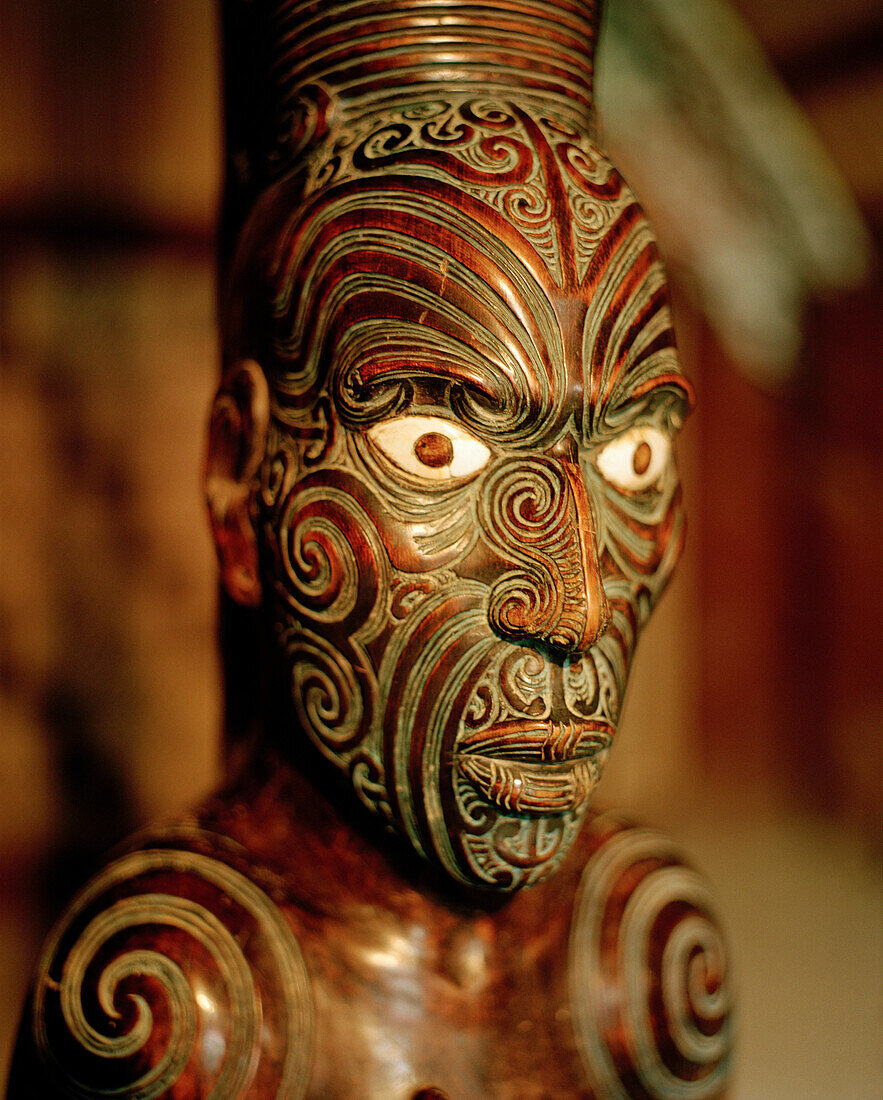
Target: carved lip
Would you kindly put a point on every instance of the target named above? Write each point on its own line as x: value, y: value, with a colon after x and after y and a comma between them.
x: 546, y: 742
x: 531, y: 767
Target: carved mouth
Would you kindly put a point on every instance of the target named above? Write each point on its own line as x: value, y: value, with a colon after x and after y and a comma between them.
x: 530, y: 767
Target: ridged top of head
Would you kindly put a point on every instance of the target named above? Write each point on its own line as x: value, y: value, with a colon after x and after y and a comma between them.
x: 369, y: 55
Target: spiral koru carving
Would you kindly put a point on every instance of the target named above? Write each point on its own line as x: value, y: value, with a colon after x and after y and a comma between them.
x: 321, y: 569
x: 648, y: 973
x: 172, y: 969
x: 529, y: 516
x: 334, y: 574
x: 328, y: 692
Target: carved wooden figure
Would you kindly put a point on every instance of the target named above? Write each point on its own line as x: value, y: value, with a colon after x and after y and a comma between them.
x: 441, y: 473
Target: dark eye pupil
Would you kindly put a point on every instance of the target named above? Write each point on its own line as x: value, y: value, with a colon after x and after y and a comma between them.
x: 434, y: 449
x: 641, y: 458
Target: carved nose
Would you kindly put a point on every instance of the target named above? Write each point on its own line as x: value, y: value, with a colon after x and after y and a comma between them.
x: 584, y: 617
x: 539, y: 517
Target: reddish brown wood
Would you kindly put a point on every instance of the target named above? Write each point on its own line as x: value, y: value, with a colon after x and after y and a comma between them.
x: 441, y: 476
x: 394, y: 981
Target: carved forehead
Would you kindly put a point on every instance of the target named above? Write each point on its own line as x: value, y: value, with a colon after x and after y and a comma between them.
x: 534, y: 175
x: 518, y: 263
x: 539, y: 181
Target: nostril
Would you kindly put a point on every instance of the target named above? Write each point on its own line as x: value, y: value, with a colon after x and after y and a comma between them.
x: 567, y: 640
x: 533, y: 607
x: 524, y: 604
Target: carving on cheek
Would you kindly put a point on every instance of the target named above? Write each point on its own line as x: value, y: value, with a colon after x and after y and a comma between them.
x: 647, y: 545
x: 334, y: 565
x: 331, y: 586
x: 329, y: 698
x: 529, y: 516
x: 323, y: 571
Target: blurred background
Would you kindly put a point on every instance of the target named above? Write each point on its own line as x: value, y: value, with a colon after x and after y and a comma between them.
x: 752, y: 733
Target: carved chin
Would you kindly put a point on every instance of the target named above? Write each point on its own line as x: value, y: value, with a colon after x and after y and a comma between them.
x: 532, y: 744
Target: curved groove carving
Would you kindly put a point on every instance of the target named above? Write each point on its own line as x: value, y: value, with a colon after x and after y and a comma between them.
x: 172, y: 966
x: 648, y: 972
x: 528, y: 515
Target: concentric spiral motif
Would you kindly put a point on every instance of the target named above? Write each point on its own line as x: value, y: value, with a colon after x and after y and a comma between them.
x: 170, y: 966
x: 327, y: 692
x: 322, y: 565
x: 648, y: 972
x: 527, y: 513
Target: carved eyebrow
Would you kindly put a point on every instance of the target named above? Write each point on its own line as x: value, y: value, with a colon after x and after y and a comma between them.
x: 405, y: 327
x: 449, y: 370
x: 395, y: 323
x: 452, y: 281
x: 681, y: 387
x: 671, y: 388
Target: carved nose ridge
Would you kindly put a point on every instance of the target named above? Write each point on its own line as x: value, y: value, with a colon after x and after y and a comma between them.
x: 537, y: 515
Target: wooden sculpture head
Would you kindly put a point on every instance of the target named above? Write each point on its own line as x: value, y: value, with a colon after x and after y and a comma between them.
x: 442, y: 458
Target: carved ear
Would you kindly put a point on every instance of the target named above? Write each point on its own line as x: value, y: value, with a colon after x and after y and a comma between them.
x: 236, y: 446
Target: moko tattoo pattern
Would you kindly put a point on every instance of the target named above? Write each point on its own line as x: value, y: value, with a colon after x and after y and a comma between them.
x: 470, y: 502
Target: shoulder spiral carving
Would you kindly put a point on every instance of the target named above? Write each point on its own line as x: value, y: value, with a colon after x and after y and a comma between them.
x: 172, y: 971
x: 648, y: 972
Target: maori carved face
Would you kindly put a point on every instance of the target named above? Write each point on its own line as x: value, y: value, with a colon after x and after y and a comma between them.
x: 468, y: 501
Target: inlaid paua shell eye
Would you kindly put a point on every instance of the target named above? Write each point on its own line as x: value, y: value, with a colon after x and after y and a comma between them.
x: 635, y: 460
x: 430, y: 447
